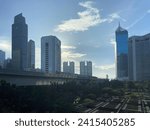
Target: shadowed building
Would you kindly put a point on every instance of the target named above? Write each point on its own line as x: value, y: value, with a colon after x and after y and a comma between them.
x: 139, y: 58
x: 68, y: 67
x: 50, y: 54
x: 19, y: 43
x: 31, y: 54
x: 86, y: 68
x: 2, y: 58
x: 121, y: 53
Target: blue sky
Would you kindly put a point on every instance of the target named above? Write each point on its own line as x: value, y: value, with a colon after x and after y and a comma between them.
x: 85, y: 27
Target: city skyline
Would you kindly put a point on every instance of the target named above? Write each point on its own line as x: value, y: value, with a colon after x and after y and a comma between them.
x: 94, y: 40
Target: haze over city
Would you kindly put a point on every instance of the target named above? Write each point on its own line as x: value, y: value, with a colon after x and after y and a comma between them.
x: 86, y: 28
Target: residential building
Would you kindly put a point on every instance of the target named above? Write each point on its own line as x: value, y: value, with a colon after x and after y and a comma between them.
x: 50, y: 54
x: 86, y: 68
x: 68, y: 67
x: 139, y: 58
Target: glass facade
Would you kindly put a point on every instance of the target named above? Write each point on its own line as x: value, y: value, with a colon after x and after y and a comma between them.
x: 19, y: 43
x: 121, y: 53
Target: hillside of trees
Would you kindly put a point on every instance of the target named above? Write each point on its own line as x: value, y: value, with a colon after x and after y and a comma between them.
x: 61, y: 98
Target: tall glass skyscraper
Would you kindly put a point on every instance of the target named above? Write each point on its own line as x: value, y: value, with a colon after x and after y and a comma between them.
x: 19, y: 43
x: 121, y: 53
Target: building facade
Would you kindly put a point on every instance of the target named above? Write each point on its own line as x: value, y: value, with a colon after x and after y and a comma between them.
x: 139, y: 58
x: 50, y: 54
x: 2, y: 59
x: 31, y: 54
x: 121, y: 53
x: 19, y: 43
x: 68, y: 67
x: 86, y: 68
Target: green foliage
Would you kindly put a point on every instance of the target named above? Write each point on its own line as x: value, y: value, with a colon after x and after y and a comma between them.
x: 68, y: 97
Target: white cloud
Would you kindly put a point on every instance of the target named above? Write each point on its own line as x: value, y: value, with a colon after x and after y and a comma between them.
x: 88, y: 18
x: 5, y: 46
x: 106, y: 67
x: 115, y: 16
x: 103, y: 70
x: 70, y: 55
x: 68, y: 47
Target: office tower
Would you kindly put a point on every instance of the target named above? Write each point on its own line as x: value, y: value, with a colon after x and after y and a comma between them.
x: 50, y: 54
x: 86, y: 68
x: 31, y: 54
x: 2, y: 58
x: 121, y: 53
x: 19, y: 43
x: 7, y: 64
x: 139, y: 57
x: 68, y: 67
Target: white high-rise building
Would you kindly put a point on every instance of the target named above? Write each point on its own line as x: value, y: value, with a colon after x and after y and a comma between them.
x: 139, y: 58
x: 86, y: 68
x: 68, y: 67
x: 50, y: 54
x: 2, y: 58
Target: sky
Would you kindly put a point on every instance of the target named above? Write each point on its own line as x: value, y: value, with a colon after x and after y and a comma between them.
x: 86, y: 28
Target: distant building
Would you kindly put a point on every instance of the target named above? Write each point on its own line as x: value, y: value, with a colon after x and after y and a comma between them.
x: 19, y: 43
x: 50, y: 54
x: 121, y: 53
x: 8, y: 64
x: 139, y: 58
x: 2, y: 58
x: 86, y: 68
x: 68, y: 67
x: 31, y: 54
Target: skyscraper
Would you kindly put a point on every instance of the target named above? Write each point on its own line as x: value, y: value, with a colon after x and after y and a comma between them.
x: 50, y: 54
x: 2, y: 58
x: 19, y: 43
x: 31, y: 54
x: 86, y: 68
x: 139, y: 58
x: 68, y: 67
x: 121, y: 53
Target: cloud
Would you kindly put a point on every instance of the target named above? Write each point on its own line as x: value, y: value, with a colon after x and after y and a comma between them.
x: 115, y: 16
x: 103, y: 70
x: 70, y: 55
x: 88, y: 18
x: 5, y: 46
x: 106, y: 67
x: 68, y: 47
